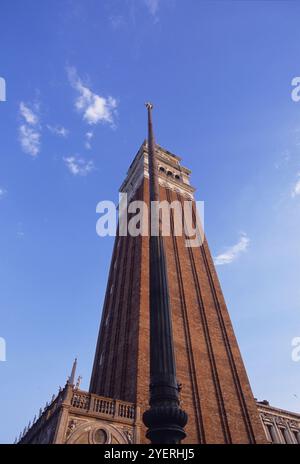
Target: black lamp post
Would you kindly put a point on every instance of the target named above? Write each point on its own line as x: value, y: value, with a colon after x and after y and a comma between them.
x: 164, y: 419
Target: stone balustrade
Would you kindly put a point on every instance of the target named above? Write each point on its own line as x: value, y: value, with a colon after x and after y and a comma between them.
x: 103, y: 406
x: 81, y: 402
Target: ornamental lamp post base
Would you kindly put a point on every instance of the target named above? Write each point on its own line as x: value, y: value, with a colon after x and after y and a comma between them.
x: 165, y: 424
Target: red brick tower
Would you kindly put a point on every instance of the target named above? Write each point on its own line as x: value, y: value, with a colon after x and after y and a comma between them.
x: 216, y: 392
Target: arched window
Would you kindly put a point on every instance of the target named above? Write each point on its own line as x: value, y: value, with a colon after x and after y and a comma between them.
x: 170, y: 174
x: 162, y: 169
x: 296, y: 435
x: 272, y: 433
x: 177, y: 177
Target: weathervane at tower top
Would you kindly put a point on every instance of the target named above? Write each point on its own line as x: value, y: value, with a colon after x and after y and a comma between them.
x: 149, y: 105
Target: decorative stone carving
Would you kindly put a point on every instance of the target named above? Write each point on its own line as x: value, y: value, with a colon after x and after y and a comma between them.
x: 97, y: 432
x: 294, y: 424
x: 129, y: 436
x: 280, y: 421
x: 71, y: 427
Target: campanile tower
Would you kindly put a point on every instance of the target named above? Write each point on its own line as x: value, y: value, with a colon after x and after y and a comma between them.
x: 216, y: 393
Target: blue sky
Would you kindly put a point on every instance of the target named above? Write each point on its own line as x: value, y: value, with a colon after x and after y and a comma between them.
x: 77, y: 75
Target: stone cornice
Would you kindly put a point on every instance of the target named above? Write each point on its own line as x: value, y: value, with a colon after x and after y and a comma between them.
x: 264, y: 408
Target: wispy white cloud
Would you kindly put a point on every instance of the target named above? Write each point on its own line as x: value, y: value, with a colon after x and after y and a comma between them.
x: 3, y: 193
x: 30, y: 140
x: 233, y: 252
x: 95, y: 108
x: 28, y: 114
x: 58, y: 130
x: 88, y: 137
x: 152, y: 6
x: 296, y: 187
x: 30, y: 130
x: 78, y: 166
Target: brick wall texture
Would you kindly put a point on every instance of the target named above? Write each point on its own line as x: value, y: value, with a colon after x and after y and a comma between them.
x: 215, y: 389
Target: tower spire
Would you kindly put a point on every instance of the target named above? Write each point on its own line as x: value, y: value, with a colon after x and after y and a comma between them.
x: 165, y: 420
x: 71, y: 380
